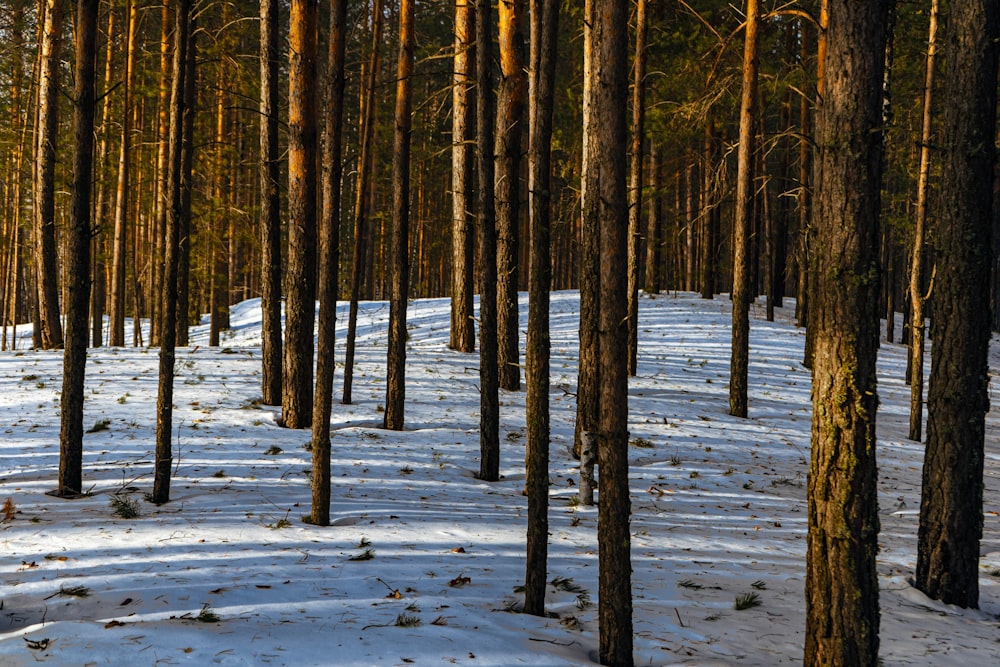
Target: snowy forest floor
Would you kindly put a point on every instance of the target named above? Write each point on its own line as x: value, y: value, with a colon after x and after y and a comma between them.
x: 423, y: 562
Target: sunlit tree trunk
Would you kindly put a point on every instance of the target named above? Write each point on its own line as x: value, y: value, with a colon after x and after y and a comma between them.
x: 463, y: 240
x: 742, y: 225
x: 635, y: 183
x: 300, y: 280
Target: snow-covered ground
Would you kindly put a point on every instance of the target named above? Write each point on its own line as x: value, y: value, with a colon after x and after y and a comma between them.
x: 423, y: 562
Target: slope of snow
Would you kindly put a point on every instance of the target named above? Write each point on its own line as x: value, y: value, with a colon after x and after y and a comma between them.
x: 422, y: 564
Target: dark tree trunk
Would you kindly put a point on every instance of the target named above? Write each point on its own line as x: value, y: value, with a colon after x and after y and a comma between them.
x: 654, y: 231
x: 363, y: 240
x: 606, y: 203
x: 329, y: 283
x: 187, y: 164
x: 175, y: 211
x: 510, y: 124
x: 300, y: 288
x: 709, y: 215
x: 399, y: 279
x: 951, y: 503
x: 270, y: 211
x: 46, y: 273
x: 544, y: 34
x: 78, y: 255
x: 463, y: 240
x: 842, y: 616
x: 635, y: 184
x: 489, y: 412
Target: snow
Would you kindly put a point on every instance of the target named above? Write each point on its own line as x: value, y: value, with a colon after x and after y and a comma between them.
x: 718, y: 511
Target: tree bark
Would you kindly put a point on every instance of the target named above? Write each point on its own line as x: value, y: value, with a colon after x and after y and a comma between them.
x: 542, y: 63
x: 510, y: 123
x: 329, y: 284
x: 300, y: 287
x: 270, y: 211
x: 742, y: 225
x: 635, y: 183
x: 842, y: 616
x: 917, y: 296
x: 46, y: 273
x: 463, y: 240
x: 78, y: 254
x: 951, y: 500
x: 655, y: 241
x: 399, y: 282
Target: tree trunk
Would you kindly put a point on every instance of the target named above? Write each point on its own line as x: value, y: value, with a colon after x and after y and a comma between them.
x: 742, y: 225
x: 510, y: 123
x: 635, y: 184
x: 654, y: 231
x: 300, y: 287
x: 842, y: 616
x: 709, y: 207
x: 606, y: 204
x: 362, y: 236
x: 544, y: 34
x: 951, y: 501
x: 329, y: 283
x: 917, y: 295
x: 489, y: 412
x: 78, y: 254
x: 175, y: 210
x: 270, y: 206
x: 120, y: 243
x: 162, y: 197
x: 399, y: 282
x: 463, y: 240
x: 46, y: 273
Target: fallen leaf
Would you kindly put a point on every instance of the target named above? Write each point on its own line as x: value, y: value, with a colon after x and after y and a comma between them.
x: 37, y: 644
x: 458, y: 550
x: 459, y: 581
x: 113, y: 624
x: 263, y: 586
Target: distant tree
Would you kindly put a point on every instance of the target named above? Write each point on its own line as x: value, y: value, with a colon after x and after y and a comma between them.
x: 399, y: 270
x: 654, y: 230
x: 300, y: 280
x: 605, y: 204
x: 542, y: 65
x: 842, y: 616
x: 917, y: 295
x: 636, y: 183
x: 489, y: 397
x: 463, y: 240
x: 328, y: 263
x: 951, y: 500
x: 270, y: 208
x: 743, y: 223
x: 175, y: 211
x: 48, y: 322
x: 78, y: 254
x: 511, y: 102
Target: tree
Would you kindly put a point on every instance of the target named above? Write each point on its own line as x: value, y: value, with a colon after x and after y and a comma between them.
x: 635, y: 183
x: 328, y: 264
x: 300, y: 285
x: 544, y: 28
x: 119, y: 243
x: 78, y: 254
x: 399, y: 283
x: 463, y: 240
x: 510, y: 122
x: 742, y: 225
x: 489, y: 398
x: 842, y: 614
x: 270, y: 211
x: 951, y: 499
x: 48, y: 322
x: 917, y: 296
x: 175, y: 211
x: 605, y: 204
